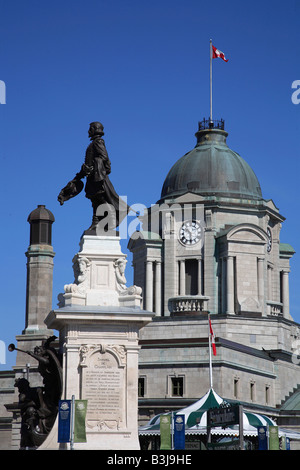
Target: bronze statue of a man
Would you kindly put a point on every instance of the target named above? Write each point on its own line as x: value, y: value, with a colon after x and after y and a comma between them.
x: 105, y: 201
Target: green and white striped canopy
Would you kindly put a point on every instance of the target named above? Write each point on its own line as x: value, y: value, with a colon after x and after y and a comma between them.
x: 196, y: 414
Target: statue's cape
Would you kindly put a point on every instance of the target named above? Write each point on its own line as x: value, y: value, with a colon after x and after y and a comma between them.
x: 113, y: 199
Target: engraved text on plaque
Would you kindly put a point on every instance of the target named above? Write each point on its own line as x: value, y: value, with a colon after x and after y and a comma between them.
x: 103, y: 387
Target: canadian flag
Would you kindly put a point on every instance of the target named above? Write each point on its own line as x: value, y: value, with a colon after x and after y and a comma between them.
x: 216, y: 53
x: 212, y: 337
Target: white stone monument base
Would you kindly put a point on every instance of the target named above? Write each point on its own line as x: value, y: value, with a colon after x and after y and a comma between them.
x: 100, y: 364
x: 99, y: 321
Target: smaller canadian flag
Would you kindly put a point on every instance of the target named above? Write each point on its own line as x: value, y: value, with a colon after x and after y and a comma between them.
x: 216, y: 53
x: 212, y: 337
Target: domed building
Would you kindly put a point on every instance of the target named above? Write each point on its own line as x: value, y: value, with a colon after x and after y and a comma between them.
x: 211, y: 245
x: 212, y: 168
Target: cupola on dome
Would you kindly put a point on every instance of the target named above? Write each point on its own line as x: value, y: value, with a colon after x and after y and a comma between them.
x: 212, y: 169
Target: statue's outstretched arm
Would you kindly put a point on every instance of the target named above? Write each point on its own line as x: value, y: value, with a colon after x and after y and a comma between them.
x: 41, y: 359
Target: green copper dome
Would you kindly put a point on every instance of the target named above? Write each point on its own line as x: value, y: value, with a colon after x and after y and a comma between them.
x: 212, y: 168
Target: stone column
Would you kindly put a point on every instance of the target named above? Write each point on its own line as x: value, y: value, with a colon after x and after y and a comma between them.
x: 182, y: 277
x: 260, y: 283
x: 39, y: 269
x: 270, y: 282
x: 285, y: 294
x: 39, y: 286
x: 149, y: 285
x: 223, y: 288
x: 158, y: 288
x: 230, y: 285
x: 40, y: 256
x: 199, y: 276
x: 170, y: 264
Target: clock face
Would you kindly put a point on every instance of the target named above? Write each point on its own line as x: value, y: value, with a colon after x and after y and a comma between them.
x: 190, y: 233
x: 269, y: 245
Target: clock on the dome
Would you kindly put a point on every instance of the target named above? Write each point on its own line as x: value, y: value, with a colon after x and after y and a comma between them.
x: 269, y: 245
x: 190, y: 232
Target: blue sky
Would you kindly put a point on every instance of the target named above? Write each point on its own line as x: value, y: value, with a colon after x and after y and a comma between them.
x: 142, y: 69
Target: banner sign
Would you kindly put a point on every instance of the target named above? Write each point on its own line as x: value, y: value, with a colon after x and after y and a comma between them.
x: 179, y: 432
x: 79, y: 420
x: 223, y: 416
x: 64, y: 420
x: 231, y: 445
x: 273, y: 438
x: 285, y: 443
x: 262, y: 438
x: 165, y: 432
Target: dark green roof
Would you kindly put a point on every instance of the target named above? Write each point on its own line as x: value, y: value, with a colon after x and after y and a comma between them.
x: 212, y: 168
x: 286, y: 248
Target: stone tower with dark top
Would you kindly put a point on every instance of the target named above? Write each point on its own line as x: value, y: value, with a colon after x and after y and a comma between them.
x: 39, y: 284
x: 38, y: 305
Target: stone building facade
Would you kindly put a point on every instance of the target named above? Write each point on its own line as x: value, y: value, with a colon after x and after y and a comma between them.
x: 212, y: 245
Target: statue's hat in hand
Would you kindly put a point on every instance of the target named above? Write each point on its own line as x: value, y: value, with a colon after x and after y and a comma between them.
x: 73, y: 188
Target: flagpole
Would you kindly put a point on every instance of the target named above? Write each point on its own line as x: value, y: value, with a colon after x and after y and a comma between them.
x: 172, y: 431
x: 210, y: 54
x: 72, y: 422
x: 210, y: 359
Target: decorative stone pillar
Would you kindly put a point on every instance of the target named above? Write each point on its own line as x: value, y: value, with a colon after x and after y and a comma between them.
x: 199, y: 276
x: 223, y: 286
x: 182, y: 277
x: 170, y: 265
x: 230, y: 285
x: 39, y: 269
x: 149, y: 285
x: 261, y: 283
x: 158, y: 288
x: 270, y: 282
x: 40, y: 256
x: 285, y: 294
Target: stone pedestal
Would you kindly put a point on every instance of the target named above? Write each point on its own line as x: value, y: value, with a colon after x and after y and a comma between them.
x: 99, y: 321
x: 99, y: 270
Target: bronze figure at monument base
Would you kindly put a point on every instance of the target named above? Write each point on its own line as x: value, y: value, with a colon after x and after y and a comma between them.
x: 39, y: 405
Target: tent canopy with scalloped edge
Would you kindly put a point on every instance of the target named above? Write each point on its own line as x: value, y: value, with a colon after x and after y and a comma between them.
x: 195, y: 420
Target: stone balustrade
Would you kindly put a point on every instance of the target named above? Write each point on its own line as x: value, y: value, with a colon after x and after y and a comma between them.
x: 274, y: 308
x: 188, y: 304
